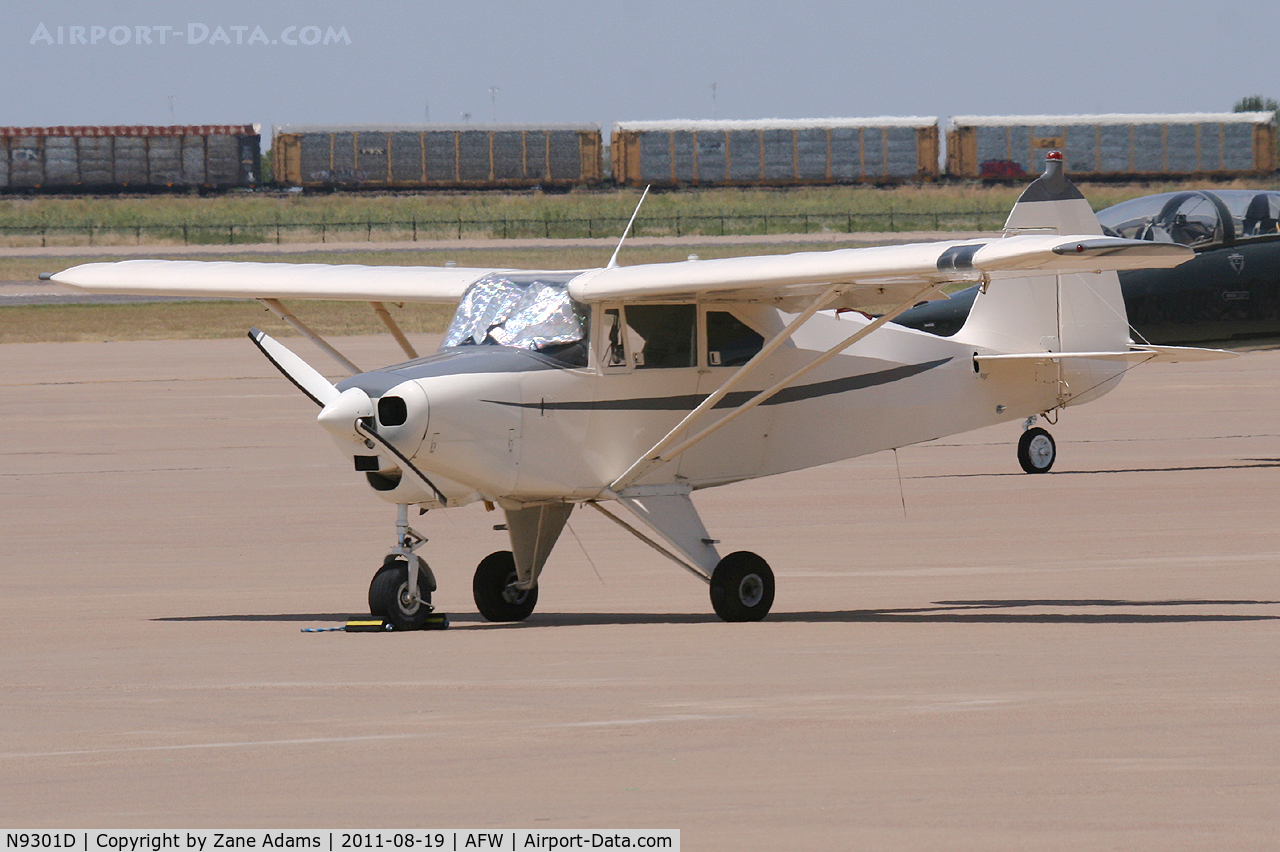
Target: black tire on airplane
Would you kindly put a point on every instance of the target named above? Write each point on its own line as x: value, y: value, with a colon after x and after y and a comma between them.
x: 742, y: 587
x: 387, y: 593
x: 1037, y: 451
x: 493, y: 575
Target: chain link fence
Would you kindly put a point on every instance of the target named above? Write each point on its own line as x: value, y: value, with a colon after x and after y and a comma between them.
x: 548, y: 227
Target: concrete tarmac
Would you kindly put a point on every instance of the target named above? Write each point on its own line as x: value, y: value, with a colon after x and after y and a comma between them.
x: 965, y: 657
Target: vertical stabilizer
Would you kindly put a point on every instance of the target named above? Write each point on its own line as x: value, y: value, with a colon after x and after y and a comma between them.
x: 1056, y: 313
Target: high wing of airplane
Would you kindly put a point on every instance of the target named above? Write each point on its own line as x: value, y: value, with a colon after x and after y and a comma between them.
x: 631, y: 387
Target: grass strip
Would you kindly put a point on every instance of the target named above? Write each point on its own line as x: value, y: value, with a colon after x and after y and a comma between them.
x: 201, y: 320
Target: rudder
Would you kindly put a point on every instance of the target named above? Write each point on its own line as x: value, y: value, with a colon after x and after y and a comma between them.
x: 1078, y: 312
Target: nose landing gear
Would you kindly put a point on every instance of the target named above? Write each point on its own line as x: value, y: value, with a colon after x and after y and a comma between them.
x: 400, y: 591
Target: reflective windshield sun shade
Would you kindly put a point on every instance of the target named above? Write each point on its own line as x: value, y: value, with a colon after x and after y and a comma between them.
x: 526, y: 311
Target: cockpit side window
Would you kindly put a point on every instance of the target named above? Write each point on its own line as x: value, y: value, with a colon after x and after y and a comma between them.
x: 615, y: 337
x: 663, y: 335
x: 1261, y: 217
x: 730, y: 341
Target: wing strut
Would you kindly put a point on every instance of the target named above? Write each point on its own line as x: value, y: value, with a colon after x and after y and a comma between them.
x: 683, y: 563
x: 299, y: 326
x: 646, y: 462
x: 381, y: 310
x: 663, y: 452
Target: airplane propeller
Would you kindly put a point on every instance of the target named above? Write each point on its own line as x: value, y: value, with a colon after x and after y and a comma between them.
x: 340, y: 411
x: 308, y: 379
x: 347, y: 414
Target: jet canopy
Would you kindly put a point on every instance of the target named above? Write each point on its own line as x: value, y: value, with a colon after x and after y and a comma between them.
x: 523, y: 310
x: 1196, y: 218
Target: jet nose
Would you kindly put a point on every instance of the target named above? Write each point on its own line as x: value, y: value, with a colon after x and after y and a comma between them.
x: 339, y: 416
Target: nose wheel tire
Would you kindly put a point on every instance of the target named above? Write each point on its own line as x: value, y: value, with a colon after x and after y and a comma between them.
x: 742, y: 587
x: 494, y: 589
x: 389, y: 596
x: 1036, y: 451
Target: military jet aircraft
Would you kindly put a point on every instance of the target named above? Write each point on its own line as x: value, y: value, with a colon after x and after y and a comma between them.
x: 1230, y: 291
x: 631, y: 387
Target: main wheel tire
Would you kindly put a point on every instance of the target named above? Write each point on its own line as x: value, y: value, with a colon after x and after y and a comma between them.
x: 494, y: 577
x: 1036, y: 451
x: 742, y: 587
x: 389, y: 592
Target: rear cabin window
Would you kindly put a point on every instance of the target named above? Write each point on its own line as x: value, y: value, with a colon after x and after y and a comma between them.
x: 730, y: 342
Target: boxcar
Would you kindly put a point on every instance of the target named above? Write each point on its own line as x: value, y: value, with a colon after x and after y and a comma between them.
x: 774, y: 152
x: 1236, y: 144
x: 469, y: 156
x: 62, y: 159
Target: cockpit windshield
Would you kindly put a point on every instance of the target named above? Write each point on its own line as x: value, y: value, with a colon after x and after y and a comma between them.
x: 1196, y: 218
x: 1189, y: 218
x: 1255, y: 214
x: 525, y: 310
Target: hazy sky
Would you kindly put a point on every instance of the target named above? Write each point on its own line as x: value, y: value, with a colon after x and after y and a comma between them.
x: 617, y: 60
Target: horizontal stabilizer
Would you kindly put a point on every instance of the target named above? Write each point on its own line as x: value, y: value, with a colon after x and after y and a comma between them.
x: 1142, y: 352
x: 1177, y: 354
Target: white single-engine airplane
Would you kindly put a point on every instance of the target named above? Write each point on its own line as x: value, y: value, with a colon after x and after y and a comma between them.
x: 639, y: 385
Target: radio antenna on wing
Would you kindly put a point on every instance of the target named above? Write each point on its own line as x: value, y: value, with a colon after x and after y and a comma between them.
x: 613, y: 261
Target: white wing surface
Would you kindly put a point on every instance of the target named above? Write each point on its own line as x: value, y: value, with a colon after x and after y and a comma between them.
x: 875, y: 276
x: 243, y: 280
x: 872, y: 276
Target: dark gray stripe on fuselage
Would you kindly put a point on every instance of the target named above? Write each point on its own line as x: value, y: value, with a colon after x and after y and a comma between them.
x: 687, y: 402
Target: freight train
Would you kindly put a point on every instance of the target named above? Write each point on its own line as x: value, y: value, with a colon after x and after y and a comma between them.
x: 137, y: 158
x: 781, y: 153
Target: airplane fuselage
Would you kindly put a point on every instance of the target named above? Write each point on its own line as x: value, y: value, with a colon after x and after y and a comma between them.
x: 518, y: 427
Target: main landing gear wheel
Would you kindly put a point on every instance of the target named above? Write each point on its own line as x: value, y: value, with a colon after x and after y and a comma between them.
x: 389, y: 595
x: 1036, y: 451
x: 742, y: 587
x: 494, y: 589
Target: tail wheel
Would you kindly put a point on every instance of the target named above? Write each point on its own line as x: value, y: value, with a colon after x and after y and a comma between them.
x: 494, y: 589
x: 742, y: 587
x: 1036, y: 451
x: 389, y: 596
